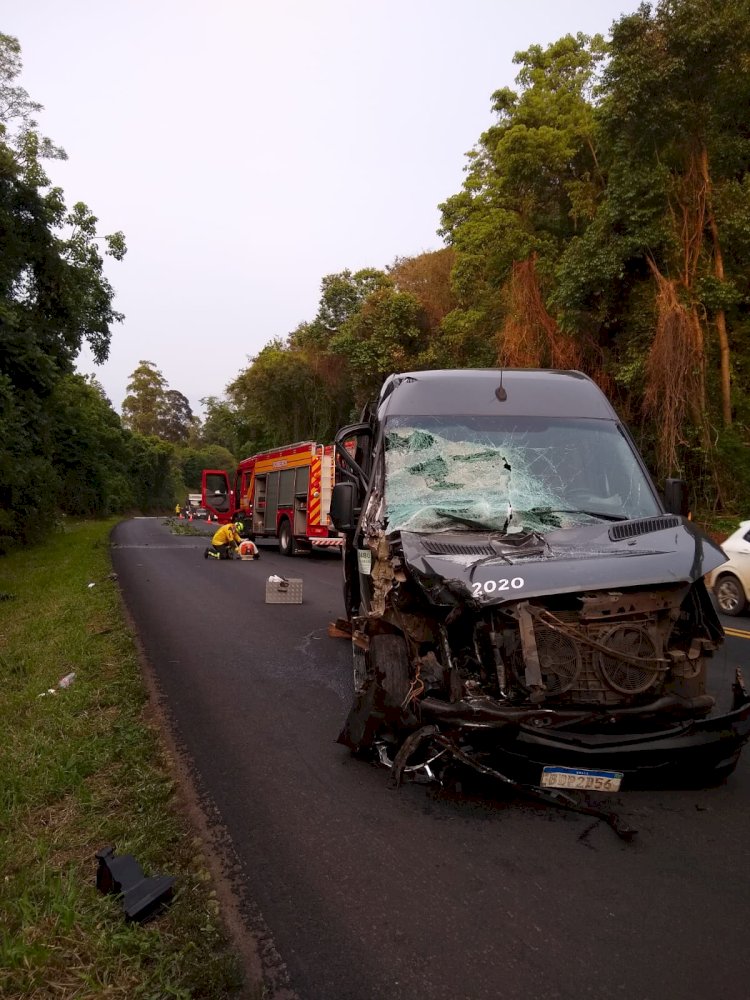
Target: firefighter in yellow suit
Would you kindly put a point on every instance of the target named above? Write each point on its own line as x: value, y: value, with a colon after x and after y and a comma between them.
x: 225, y: 541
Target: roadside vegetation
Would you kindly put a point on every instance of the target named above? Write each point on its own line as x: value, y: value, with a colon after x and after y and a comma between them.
x: 83, y: 768
x: 603, y: 225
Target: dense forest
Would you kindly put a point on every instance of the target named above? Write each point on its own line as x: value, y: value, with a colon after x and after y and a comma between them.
x: 603, y: 225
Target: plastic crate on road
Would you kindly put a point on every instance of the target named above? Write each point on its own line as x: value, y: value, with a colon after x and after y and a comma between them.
x: 284, y: 591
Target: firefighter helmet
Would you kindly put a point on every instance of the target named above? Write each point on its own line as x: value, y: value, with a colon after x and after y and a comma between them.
x: 239, y: 526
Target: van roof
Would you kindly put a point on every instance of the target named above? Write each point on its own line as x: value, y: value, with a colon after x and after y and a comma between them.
x: 539, y: 392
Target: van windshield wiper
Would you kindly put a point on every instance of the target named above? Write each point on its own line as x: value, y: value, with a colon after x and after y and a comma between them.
x: 602, y: 515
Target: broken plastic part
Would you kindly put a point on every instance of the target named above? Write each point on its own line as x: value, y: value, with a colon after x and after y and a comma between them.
x: 141, y: 895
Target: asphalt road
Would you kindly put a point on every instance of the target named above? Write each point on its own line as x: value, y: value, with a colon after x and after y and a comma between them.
x: 365, y: 892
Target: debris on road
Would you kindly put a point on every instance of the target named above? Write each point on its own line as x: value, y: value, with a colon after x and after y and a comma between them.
x: 340, y: 629
x: 280, y: 590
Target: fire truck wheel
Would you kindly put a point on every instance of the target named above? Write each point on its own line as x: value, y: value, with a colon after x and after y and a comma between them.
x: 286, y: 539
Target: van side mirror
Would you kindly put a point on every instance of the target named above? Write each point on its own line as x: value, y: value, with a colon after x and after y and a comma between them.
x: 342, y: 510
x: 676, y: 497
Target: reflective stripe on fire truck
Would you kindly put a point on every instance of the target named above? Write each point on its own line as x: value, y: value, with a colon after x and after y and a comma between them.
x: 313, y: 516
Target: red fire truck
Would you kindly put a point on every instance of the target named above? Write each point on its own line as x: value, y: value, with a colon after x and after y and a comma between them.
x: 284, y: 493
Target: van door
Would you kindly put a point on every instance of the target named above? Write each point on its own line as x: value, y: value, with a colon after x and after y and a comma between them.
x: 216, y: 494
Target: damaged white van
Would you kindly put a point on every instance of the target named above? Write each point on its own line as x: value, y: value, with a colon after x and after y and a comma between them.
x: 519, y: 595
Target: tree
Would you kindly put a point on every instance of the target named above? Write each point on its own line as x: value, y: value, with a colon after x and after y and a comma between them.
x: 88, y: 449
x: 143, y: 408
x: 221, y: 425
x: 53, y: 295
x: 663, y: 268
x: 53, y: 298
x: 342, y: 296
x: 428, y: 277
x: 153, y: 409
x: 177, y: 418
x: 192, y: 461
x: 151, y: 471
x: 696, y: 125
x: 533, y: 181
x: 280, y: 398
x: 387, y: 333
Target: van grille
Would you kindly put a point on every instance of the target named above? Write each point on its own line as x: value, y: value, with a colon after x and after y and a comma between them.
x: 643, y: 527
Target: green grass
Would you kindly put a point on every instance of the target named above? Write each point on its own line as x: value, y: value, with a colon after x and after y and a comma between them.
x: 80, y: 769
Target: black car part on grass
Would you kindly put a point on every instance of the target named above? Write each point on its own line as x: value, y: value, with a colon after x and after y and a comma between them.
x: 141, y: 896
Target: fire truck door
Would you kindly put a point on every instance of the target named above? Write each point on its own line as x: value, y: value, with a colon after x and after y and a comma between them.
x: 286, y: 488
x: 272, y: 502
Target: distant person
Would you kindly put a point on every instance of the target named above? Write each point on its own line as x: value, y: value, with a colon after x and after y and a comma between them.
x: 178, y: 510
x: 225, y: 542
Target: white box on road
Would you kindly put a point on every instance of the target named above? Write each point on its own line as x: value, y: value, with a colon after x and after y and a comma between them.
x: 284, y: 591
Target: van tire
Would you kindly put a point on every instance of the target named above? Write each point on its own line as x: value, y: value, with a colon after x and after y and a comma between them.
x: 287, y: 546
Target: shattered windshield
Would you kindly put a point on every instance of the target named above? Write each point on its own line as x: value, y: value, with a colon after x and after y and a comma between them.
x: 509, y: 474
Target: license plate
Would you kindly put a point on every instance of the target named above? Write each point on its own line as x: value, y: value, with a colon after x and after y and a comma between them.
x: 581, y: 777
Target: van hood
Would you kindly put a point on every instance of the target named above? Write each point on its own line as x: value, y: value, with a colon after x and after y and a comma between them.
x: 490, y: 569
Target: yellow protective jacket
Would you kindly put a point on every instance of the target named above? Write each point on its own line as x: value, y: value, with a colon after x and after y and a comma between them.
x: 227, y: 535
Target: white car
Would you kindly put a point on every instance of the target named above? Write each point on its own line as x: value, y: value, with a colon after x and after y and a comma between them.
x: 731, y: 582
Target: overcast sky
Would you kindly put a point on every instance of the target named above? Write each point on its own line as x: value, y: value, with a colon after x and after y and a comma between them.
x: 246, y: 149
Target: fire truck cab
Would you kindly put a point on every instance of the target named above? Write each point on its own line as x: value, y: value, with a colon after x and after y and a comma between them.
x: 284, y: 493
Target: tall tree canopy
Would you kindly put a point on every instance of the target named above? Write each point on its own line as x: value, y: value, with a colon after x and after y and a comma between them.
x: 54, y: 297
x: 603, y: 224
x: 532, y: 183
x: 662, y: 271
x: 152, y: 408
x: 53, y: 293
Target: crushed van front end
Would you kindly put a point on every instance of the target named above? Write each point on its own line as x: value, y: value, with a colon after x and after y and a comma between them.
x: 551, y: 659
x: 522, y: 599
